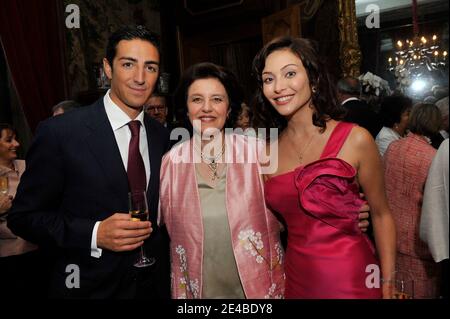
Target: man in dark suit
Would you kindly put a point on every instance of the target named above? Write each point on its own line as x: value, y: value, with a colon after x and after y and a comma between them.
x: 73, y: 196
x: 358, y: 111
x: 157, y: 108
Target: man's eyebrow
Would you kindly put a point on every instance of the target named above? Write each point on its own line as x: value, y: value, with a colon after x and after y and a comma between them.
x: 135, y: 60
x: 128, y: 58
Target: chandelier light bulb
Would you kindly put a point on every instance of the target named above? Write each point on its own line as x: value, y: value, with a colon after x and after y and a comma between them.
x: 419, y: 56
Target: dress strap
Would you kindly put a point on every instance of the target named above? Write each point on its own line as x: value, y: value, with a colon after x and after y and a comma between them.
x: 337, y: 139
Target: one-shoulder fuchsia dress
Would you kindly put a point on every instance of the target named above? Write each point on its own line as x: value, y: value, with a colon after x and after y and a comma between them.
x: 327, y: 254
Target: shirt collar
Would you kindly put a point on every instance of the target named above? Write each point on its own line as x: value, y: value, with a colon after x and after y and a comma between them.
x: 421, y: 138
x: 7, y: 170
x: 444, y: 133
x: 350, y: 99
x: 391, y: 131
x: 116, y: 116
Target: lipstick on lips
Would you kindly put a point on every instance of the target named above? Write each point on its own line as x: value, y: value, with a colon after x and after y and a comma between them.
x: 282, y: 100
x: 207, y: 118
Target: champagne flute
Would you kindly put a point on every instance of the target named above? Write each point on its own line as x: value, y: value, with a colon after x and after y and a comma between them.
x: 138, y: 208
x: 4, y: 184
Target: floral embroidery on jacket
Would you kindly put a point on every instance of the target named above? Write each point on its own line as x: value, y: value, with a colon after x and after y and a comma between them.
x: 279, y: 257
x: 253, y: 244
x: 189, y: 286
x: 271, y: 294
x: 255, y: 247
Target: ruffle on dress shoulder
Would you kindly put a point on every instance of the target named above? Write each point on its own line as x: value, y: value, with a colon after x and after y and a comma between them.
x: 327, y: 189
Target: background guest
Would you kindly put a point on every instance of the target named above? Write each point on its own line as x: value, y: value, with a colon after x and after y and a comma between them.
x: 156, y: 107
x: 358, y: 111
x: 64, y: 107
x: 407, y: 162
x: 435, y: 213
x: 437, y: 138
x: 19, y: 260
x: 394, y: 115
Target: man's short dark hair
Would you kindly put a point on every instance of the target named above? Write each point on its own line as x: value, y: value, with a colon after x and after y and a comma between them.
x: 130, y: 32
x: 350, y: 86
x: 66, y: 106
x: 392, y: 108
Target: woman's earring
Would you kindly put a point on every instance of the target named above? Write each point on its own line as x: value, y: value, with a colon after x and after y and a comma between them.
x: 313, y: 89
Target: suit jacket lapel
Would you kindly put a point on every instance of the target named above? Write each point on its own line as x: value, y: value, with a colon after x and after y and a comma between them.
x: 102, y: 143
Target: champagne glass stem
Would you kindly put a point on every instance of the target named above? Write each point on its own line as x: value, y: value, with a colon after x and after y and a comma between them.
x: 142, y: 252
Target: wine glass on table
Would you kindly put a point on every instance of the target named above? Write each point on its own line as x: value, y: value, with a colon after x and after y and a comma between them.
x: 138, y: 208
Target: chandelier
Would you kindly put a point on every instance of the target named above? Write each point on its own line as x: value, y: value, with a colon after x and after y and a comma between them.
x: 416, y: 60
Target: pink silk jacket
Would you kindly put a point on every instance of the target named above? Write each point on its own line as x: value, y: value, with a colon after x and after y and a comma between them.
x: 254, y: 230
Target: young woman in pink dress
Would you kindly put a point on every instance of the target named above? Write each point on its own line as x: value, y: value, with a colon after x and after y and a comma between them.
x: 322, y: 163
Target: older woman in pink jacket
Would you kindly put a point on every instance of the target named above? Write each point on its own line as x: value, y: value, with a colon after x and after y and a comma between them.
x: 224, y: 241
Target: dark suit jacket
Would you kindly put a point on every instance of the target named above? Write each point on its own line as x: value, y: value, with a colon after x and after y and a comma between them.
x: 75, y: 177
x: 360, y: 113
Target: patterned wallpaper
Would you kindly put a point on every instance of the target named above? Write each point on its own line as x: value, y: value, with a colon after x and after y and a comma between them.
x: 98, y: 19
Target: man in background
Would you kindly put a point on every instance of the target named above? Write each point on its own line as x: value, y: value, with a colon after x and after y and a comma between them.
x: 64, y: 107
x: 358, y: 111
x: 156, y: 107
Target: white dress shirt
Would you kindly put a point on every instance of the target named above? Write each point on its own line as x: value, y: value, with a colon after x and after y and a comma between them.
x: 435, y: 206
x: 444, y: 134
x: 385, y: 137
x: 119, y: 123
x: 349, y: 99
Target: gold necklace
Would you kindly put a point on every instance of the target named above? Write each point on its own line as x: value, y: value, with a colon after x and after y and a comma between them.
x: 212, y: 165
x: 300, y: 154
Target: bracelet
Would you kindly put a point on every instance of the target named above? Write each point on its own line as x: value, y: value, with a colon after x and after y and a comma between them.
x: 386, y: 281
